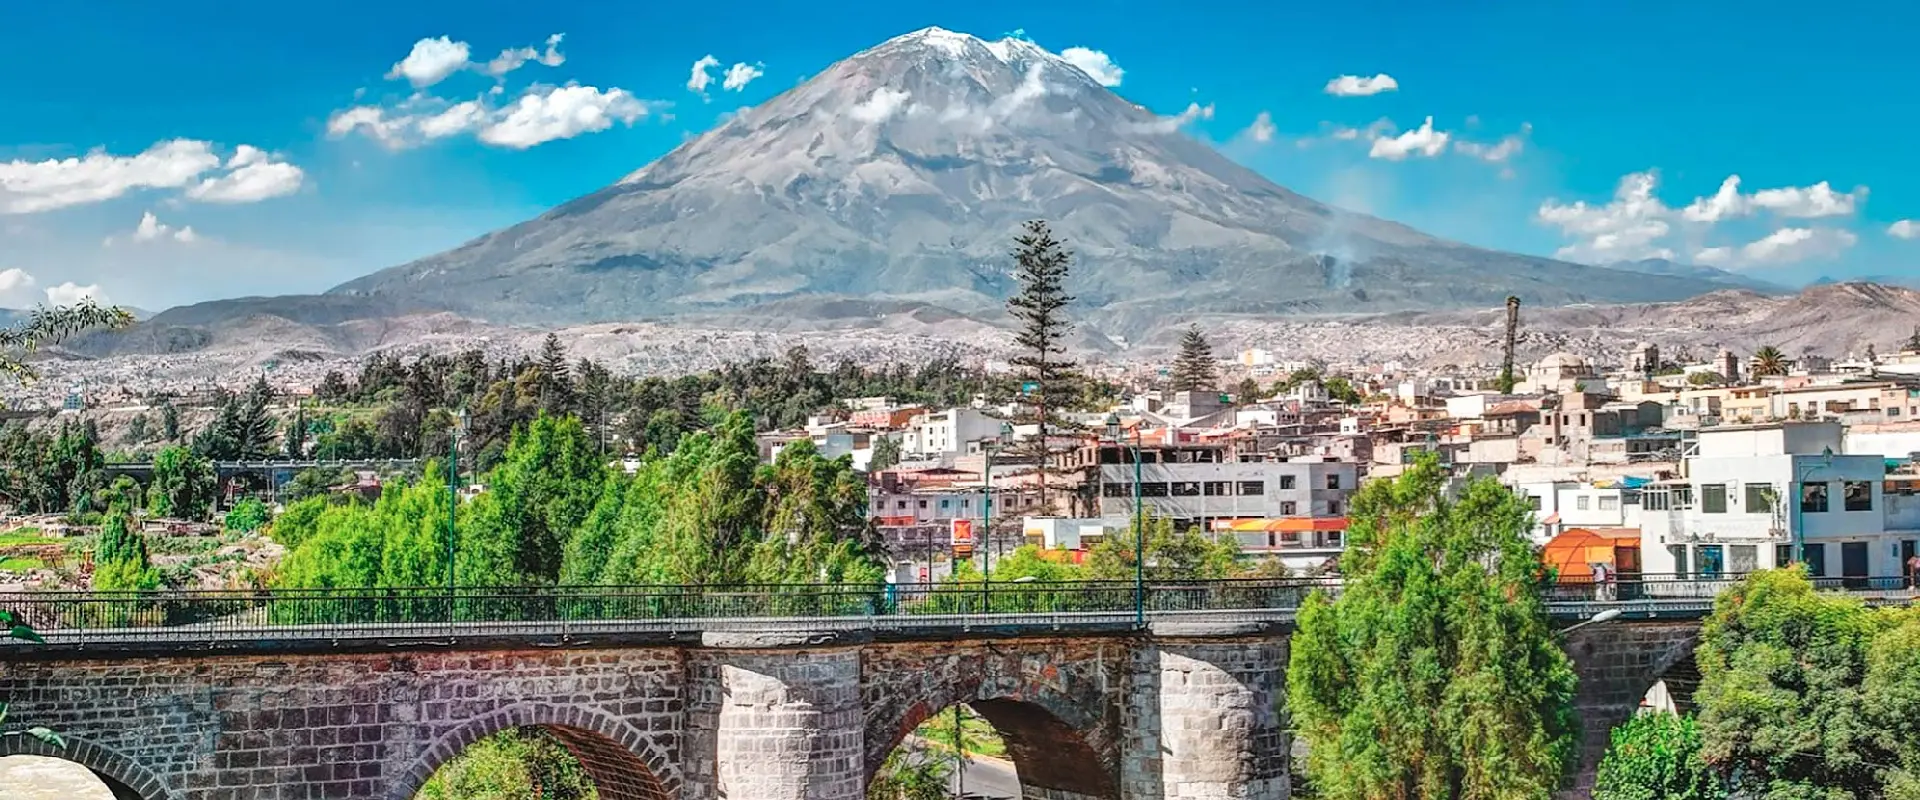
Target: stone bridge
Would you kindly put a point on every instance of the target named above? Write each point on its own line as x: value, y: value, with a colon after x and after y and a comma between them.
x: 1188, y: 711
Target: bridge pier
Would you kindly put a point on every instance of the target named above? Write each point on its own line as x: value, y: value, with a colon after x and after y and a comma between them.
x: 1206, y: 720
x: 1617, y: 664
x: 774, y: 725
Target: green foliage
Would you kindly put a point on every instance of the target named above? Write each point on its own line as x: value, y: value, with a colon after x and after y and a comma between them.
x: 243, y: 429
x: 247, y: 516
x: 1187, y: 556
x: 1193, y: 369
x: 184, y: 484
x: 1341, y: 389
x: 1041, y: 264
x: 520, y: 764
x: 310, y: 483
x: 1657, y: 757
x: 50, y: 325
x: 1248, y: 391
x: 542, y: 492
x: 120, y: 559
x: 1808, y: 695
x: 398, y: 541
x: 1769, y: 360
x: 886, y: 454
x: 51, y: 472
x: 913, y: 771
x: 1435, y: 672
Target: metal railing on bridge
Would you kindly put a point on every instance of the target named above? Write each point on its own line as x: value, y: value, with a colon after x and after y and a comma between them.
x: 159, y: 617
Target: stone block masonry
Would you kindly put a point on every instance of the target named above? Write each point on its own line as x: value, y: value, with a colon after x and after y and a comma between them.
x: 1113, y: 716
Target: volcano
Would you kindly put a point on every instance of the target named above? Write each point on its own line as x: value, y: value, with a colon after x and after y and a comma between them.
x: 898, y: 176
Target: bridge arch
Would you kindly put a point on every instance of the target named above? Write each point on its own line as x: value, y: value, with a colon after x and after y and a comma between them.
x: 624, y: 763
x: 122, y: 775
x: 1051, y: 712
x: 1618, y: 665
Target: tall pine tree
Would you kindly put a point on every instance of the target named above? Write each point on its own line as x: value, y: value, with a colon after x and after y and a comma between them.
x: 1050, y: 381
x: 1193, y: 369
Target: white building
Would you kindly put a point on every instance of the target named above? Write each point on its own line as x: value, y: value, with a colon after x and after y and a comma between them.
x: 943, y: 433
x: 1750, y: 492
x: 1194, y: 486
x: 1559, y: 505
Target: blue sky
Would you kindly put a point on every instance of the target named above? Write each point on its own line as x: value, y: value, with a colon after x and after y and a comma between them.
x: 1682, y: 95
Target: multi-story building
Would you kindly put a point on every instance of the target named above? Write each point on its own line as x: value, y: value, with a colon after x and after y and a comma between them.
x: 942, y: 433
x: 1559, y: 505
x: 1749, y: 493
x: 1194, y: 484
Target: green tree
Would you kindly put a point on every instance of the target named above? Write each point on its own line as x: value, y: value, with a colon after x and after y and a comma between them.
x: 1041, y: 264
x: 1190, y: 555
x: 1247, y: 392
x: 1782, y: 711
x: 913, y: 771
x: 1341, y: 389
x: 519, y: 764
x: 169, y: 422
x: 183, y: 485
x: 296, y: 435
x: 1769, y: 360
x: 48, y: 325
x: 1194, y: 369
x: 886, y: 454
x: 137, y: 429
x: 543, y: 491
x: 1657, y: 757
x: 1440, y: 611
x: 247, y: 516
x: 120, y: 560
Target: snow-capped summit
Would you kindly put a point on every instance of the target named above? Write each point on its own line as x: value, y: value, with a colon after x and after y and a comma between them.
x: 900, y: 173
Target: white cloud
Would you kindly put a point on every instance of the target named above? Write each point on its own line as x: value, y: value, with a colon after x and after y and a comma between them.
x: 1032, y: 87
x: 1904, y: 229
x: 431, y: 61
x: 1625, y: 229
x: 374, y: 121
x: 739, y: 75
x: 31, y: 186
x: 702, y: 74
x: 1789, y: 245
x: 1423, y: 140
x: 1499, y: 152
x: 1356, y: 86
x: 68, y: 293
x: 16, y: 288
x: 880, y: 106
x: 1794, y: 202
x: 561, y: 113
x: 1192, y: 113
x: 1262, y: 129
x: 1098, y: 65
x: 460, y: 118
x: 257, y: 178
x: 1714, y: 256
x: 514, y: 58
x: 152, y: 229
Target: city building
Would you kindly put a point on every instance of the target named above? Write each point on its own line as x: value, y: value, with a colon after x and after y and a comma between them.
x: 944, y: 433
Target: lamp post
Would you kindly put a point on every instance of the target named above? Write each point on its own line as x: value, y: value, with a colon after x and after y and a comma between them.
x: 986, y: 513
x: 1139, y: 525
x: 1797, y: 538
x: 1601, y: 618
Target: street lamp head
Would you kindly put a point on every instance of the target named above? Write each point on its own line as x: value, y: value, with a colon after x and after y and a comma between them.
x: 1006, y: 429
x: 1113, y: 426
x: 1826, y: 455
x: 1608, y: 615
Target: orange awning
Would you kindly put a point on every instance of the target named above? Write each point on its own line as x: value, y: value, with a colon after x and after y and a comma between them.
x: 1288, y: 524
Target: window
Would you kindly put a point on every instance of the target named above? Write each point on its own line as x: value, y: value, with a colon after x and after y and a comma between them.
x: 1534, y: 502
x: 1289, y: 508
x: 1610, y: 503
x: 1580, y: 503
x: 1782, y: 555
x: 1743, y: 558
x: 1893, y: 411
x: 1816, y: 558
x: 1249, y: 488
x: 1333, y: 480
x: 1186, y: 489
x: 1713, y: 498
x: 1858, y: 495
x: 1712, y: 561
x: 1114, y: 489
x: 1153, y: 490
x: 1214, y: 489
x: 1333, y: 508
x: 879, y: 505
x: 1759, y: 498
x: 1813, y: 498
x: 1679, y: 554
x: 1286, y: 482
x: 923, y: 504
x: 900, y: 505
x: 1333, y: 538
x: 945, y: 503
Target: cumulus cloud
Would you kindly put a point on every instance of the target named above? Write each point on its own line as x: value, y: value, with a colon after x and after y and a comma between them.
x: 252, y: 176
x: 16, y: 288
x: 1783, y: 246
x: 1796, y: 202
x: 431, y: 61
x: 1904, y: 229
x: 702, y: 75
x: 1098, y: 65
x: 739, y: 75
x: 32, y: 186
x: 152, y: 229
x: 1262, y: 129
x: 68, y: 293
x: 548, y: 114
x: 1193, y: 112
x: 1498, y: 152
x: 1424, y: 141
x: 514, y: 58
x: 880, y: 106
x: 1628, y: 228
x: 1357, y: 86
x: 541, y: 114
